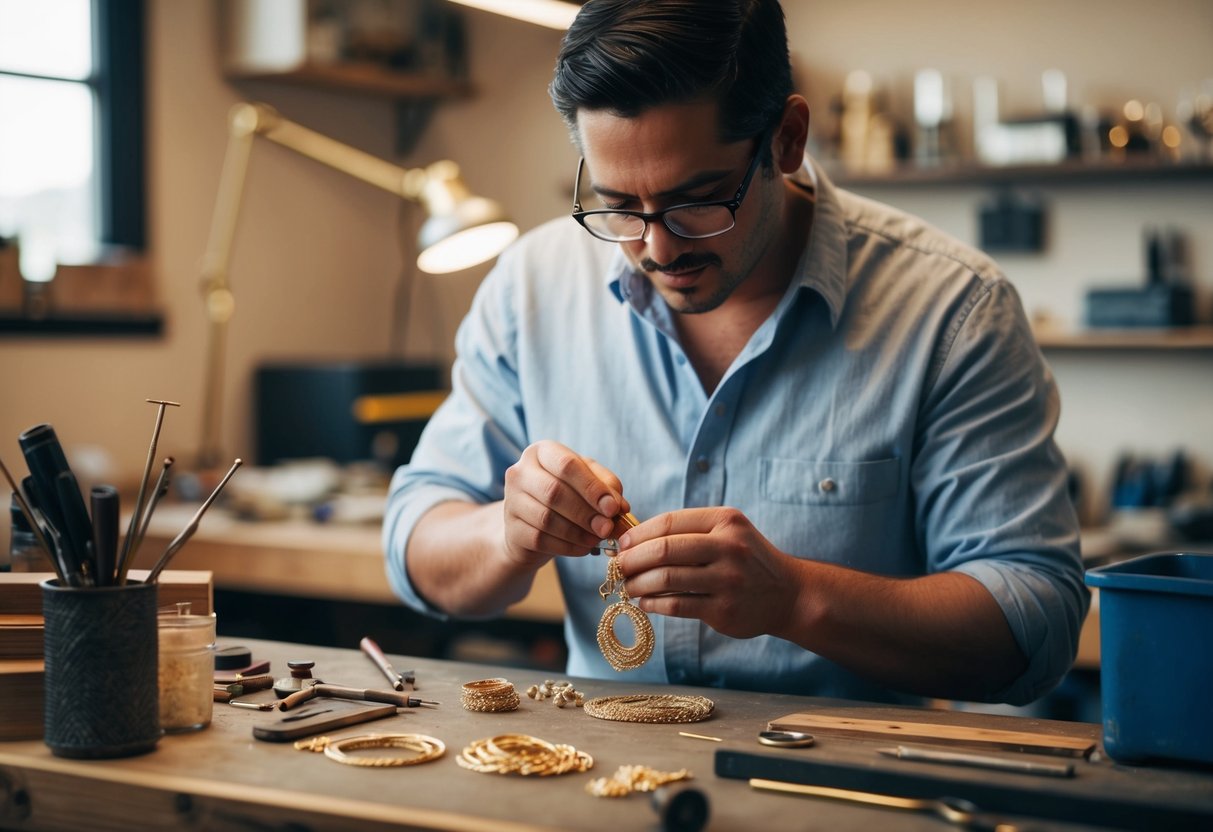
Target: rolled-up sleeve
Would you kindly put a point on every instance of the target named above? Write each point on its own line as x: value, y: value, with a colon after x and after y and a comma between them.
x: 990, y: 483
x: 464, y: 450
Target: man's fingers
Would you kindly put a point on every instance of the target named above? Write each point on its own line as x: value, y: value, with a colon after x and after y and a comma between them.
x: 545, y: 523
x: 574, y: 471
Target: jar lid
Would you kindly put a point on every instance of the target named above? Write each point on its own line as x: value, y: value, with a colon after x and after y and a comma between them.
x: 232, y: 658
x: 185, y: 632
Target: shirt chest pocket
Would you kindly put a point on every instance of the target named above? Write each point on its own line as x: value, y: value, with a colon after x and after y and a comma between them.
x: 817, y: 483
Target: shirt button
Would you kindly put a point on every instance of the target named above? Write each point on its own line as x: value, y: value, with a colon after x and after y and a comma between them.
x: 681, y: 359
x: 721, y: 410
x: 702, y: 464
x: 827, y: 485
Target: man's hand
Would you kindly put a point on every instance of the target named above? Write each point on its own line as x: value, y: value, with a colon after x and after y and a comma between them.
x: 558, y: 503
x: 710, y: 564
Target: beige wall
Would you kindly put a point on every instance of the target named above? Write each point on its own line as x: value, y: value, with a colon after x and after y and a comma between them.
x: 318, y: 255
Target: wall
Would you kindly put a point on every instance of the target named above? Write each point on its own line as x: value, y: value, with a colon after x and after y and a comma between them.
x: 1110, y: 51
x: 318, y: 255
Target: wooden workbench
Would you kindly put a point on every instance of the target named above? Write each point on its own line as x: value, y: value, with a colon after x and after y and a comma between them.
x: 222, y: 778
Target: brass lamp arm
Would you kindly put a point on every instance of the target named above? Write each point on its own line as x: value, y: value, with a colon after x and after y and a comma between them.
x: 246, y: 122
x: 460, y: 224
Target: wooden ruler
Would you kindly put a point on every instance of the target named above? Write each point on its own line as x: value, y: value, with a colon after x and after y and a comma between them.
x: 934, y: 733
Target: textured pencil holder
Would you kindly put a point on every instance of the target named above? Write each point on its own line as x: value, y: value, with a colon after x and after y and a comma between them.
x: 101, y: 694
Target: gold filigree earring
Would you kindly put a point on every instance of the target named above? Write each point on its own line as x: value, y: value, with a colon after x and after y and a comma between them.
x: 622, y: 658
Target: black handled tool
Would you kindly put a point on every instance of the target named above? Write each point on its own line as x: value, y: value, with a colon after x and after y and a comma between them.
x: 105, y: 505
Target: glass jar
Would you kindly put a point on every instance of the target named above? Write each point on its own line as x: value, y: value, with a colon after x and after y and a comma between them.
x: 187, y: 671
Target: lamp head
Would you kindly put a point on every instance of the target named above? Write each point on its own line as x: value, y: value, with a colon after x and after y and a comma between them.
x: 462, y: 230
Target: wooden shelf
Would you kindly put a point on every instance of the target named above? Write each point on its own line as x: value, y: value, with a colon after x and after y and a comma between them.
x: 1177, y: 338
x: 365, y: 78
x: 1071, y: 172
x: 82, y: 324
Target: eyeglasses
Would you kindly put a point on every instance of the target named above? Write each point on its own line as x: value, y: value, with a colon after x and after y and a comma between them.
x: 691, y: 220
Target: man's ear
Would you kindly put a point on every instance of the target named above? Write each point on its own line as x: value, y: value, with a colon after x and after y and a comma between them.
x: 792, y: 134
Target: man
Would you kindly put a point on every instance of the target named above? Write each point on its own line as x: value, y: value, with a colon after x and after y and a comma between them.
x: 831, y: 420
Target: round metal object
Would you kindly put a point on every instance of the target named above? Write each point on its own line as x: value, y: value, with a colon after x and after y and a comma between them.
x: 785, y: 739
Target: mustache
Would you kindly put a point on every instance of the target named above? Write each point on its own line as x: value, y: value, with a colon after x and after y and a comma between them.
x: 681, y: 263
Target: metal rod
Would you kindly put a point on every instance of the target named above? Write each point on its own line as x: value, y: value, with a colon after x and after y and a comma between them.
x: 157, y: 493
x: 191, y: 527
x: 33, y: 522
x: 989, y: 761
x: 124, y: 559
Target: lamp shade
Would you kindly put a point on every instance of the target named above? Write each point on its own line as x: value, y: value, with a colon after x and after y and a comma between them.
x: 461, y: 229
x: 474, y: 232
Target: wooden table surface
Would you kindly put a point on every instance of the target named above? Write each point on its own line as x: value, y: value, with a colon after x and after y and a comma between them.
x: 223, y: 778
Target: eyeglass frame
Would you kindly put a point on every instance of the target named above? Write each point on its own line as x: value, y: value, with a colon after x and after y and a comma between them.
x: 647, y: 218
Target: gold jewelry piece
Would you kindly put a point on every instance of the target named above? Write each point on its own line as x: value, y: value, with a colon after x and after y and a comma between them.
x: 490, y: 696
x: 524, y: 755
x: 628, y: 779
x: 561, y: 693
x: 622, y: 658
x: 659, y: 708
x: 427, y: 748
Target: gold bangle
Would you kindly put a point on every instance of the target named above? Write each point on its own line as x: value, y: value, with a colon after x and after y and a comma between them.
x: 489, y: 696
x: 524, y: 755
x: 427, y: 748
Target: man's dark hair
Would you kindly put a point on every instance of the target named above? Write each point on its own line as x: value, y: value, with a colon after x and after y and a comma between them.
x: 625, y: 56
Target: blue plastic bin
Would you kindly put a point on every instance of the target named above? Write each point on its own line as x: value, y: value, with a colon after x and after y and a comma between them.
x: 1156, y: 657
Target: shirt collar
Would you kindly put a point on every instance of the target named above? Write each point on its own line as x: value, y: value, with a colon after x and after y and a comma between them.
x: 822, y: 268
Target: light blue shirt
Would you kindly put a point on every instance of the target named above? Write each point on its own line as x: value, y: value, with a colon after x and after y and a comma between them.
x: 893, y: 415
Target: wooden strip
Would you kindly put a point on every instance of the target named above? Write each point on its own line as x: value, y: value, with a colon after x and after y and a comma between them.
x: 929, y: 732
x: 20, y: 593
x: 21, y: 636
x: 72, y: 794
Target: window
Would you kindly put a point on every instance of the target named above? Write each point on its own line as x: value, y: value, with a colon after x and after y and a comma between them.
x: 71, y: 130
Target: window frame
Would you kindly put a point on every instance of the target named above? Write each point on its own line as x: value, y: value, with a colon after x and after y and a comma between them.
x: 118, y: 40
x: 118, y: 85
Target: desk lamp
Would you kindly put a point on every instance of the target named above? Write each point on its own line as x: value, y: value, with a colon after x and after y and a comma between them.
x: 461, y: 230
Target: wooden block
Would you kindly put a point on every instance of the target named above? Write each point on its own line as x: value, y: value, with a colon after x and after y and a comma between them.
x: 933, y: 733
x: 21, y: 636
x: 21, y: 595
x: 21, y: 699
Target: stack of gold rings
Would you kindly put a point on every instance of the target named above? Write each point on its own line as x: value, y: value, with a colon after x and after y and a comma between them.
x: 523, y: 754
x: 427, y: 748
x: 490, y: 696
x: 659, y: 708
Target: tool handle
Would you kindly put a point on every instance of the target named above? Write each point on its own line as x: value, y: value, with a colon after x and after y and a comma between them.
x: 299, y: 697
x: 105, y: 505
x: 385, y: 667
x: 400, y: 700
x: 76, y: 526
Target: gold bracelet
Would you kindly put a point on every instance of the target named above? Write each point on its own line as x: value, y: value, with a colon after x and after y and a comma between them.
x: 427, y: 748
x: 659, y: 708
x: 490, y: 696
x: 622, y: 658
x: 524, y: 755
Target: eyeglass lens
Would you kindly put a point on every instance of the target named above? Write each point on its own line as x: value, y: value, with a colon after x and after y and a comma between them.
x: 692, y: 221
